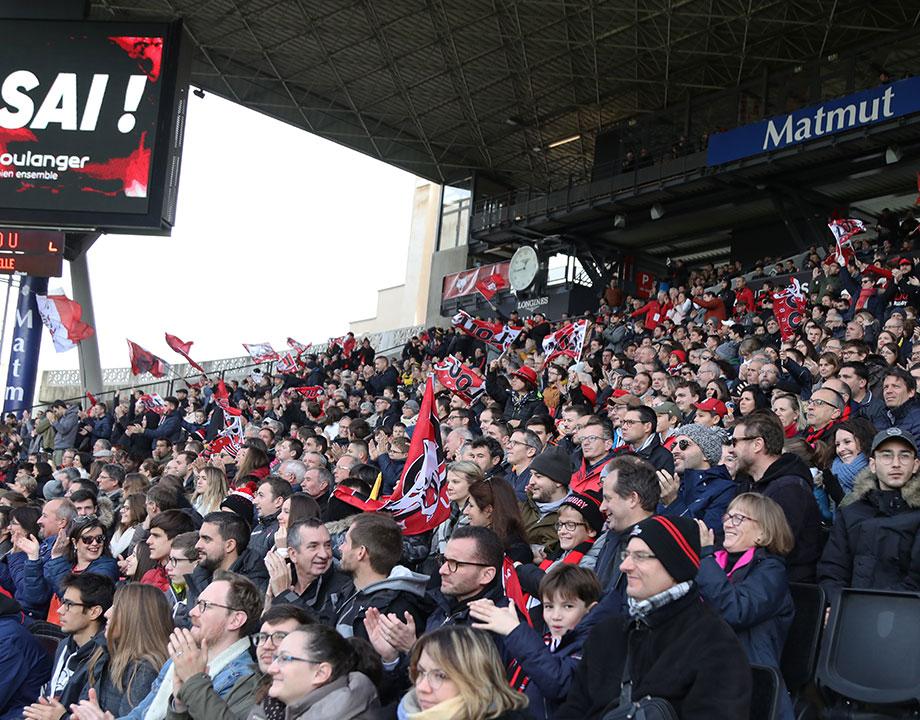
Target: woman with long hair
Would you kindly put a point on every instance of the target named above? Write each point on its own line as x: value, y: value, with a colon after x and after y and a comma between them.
x: 460, y: 476
x: 296, y: 508
x: 131, y: 517
x: 255, y: 462
x: 848, y: 457
x: 457, y: 674
x: 493, y: 504
x: 319, y: 675
x: 828, y: 365
x: 752, y: 398
x: 24, y: 531
x: 211, y: 488
x: 123, y: 668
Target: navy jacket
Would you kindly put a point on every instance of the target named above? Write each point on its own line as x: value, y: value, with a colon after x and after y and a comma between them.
x: 703, y: 495
x: 170, y: 428
x: 906, y: 417
x: 391, y: 471
x: 24, y: 664
x: 657, y: 455
x: 753, y: 597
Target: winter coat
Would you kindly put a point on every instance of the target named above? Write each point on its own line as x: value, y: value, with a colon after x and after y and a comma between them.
x: 24, y: 664
x: 170, y: 428
x: 65, y: 429
x: 788, y: 481
x: 43, y: 435
x: 753, y: 597
x: 905, y: 416
x: 262, y: 537
x: 139, y: 674
x: 519, y: 481
x: 391, y: 471
x: 550, y: 672
x: 682, y: 652
x: 540, y: 529
x: 516, y: 406
x: 402, y: 591
x: 653, y: 313
x: 246, y: 564
x: 76, y: 663
x: 875, y: 541
x: 13, y: 580
x: 347, y: 698
x: 321, y: 596
x: 388, y: 378
x: 703, y: 495
x: 44, y: 578
x: 657, y: 455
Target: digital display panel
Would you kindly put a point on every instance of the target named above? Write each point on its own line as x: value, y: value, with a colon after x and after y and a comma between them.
x: 91, y: 120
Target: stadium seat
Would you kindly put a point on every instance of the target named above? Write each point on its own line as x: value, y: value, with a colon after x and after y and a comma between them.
x: 766, y: 693
x: 48, y: 635
x: 871, y: 653
x: 800, y: 654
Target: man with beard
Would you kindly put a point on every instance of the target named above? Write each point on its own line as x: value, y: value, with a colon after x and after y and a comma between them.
x: 783, y: 477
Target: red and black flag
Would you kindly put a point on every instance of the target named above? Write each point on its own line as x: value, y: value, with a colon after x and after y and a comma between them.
x: 459, y: 379
x: 143, y: 361
x: 488, y: 287
x: 183, y: 348
x: 789, y: 307
x: 419, y: 502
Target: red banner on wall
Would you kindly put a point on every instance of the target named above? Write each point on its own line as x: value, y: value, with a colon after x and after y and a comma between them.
x: 464, y: 283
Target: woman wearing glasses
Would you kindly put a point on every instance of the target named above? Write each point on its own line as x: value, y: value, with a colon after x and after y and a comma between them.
x: 457, y: 674
x: 319, y: 675
x: 746, y: 581
x: 84, y: 549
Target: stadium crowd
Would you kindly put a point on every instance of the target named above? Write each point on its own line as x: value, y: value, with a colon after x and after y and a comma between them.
x: 623, y: 525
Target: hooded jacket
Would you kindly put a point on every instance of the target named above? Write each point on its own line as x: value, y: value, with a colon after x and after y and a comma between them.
x: 682, y: 652
x: 347, y: 698
x: 24, y: 664
x: 402, y: 591
x: 788, y: 481
x: 875, y: 541
x: 703, y: 495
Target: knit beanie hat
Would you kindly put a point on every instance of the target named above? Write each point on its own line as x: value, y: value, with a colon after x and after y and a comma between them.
x: 710, y: 441
x: 555, y: 463
x: 241, y: 505
x: 588, y: 504
x: 675, y: 542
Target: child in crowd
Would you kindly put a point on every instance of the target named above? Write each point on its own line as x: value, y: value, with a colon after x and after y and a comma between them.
x: 545, y: 660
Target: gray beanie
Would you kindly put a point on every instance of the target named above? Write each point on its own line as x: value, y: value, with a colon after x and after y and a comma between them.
x: 710, y: 440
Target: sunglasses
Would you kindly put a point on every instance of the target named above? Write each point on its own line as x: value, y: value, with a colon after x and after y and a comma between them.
x: 92, y: 539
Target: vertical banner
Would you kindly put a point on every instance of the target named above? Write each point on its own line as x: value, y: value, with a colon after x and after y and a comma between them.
x: 27, y: 341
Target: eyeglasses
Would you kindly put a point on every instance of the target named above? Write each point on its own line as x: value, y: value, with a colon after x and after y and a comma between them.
x: 637, y: 556
x: 569, y: 526
x: 435, y: 678
x: 69, y: 605
x: 276, y: 637
x: 82, y: 520
x: 735, y: 440
x: 92, y: 539
x: 630, y: 421
x: 204, y: 605
x: 286, y: 659
x: 735, y: 519
x: 592, y: 438
x: 173, y: 561
x: 452, y: 564
x: 905, y: 456
x: 819, y: 401
x: 684, y: 444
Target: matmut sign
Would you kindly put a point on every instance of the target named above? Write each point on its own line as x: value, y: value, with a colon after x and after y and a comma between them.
x: 862, y: 109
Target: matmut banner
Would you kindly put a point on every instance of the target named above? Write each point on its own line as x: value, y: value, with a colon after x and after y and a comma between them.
x: 79, y: 105
x: 464, y: 283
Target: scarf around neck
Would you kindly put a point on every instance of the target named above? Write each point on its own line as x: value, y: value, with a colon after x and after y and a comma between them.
x: 846, y: 472
x: 640, y: 609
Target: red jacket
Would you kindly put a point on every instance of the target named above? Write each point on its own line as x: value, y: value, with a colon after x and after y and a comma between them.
x: 745, y: 296
x: 654, y: 313
x: 715, y: 308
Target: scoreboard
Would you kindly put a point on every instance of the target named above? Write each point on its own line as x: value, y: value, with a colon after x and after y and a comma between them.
x: 39, y: 253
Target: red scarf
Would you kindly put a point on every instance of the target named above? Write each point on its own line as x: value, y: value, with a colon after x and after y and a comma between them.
x: 573, y: 556
x: 791, y: 430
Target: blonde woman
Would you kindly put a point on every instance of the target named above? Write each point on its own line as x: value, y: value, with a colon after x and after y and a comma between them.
x: 788, y: 408
x: 210, y: 489
x: 460, y: 475
x: 122, y: 671
x: 457, y: 674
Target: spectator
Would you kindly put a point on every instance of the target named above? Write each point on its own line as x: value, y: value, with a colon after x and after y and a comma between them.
x: 867, y: 545
x: 460, y: 476
x: 689, y: 657
x: 163, y: 528
x: 523, y: 447
x: 277, y: 623
x: 210, y: 489
x: 65, y: 420
x: 268, y: 500
x: 24, y: 529
x: 492, y: 504
x: 110, y: 480
x: 183, y: 559
x: 223, y: 541
x: 24, y: 664
x: 336, y: 683
x: 130, y: 520
x: 899, y: 391
x: 456, y: 672
x: 516, y: 394
x: 550, y: 475
x: 701, y: 487
x: 641, y: 437
x: 596, y: 442
x: 784, y: 478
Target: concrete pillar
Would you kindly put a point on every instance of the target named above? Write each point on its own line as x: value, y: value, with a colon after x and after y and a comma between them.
x: 90, y: 367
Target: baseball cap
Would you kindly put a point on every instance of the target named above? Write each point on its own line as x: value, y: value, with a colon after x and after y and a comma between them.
x: 893, y: 433
x: 711, y: 405
x: 668, y: 408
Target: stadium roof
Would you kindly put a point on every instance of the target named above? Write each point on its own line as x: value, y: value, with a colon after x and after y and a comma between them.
x: 443, y: 88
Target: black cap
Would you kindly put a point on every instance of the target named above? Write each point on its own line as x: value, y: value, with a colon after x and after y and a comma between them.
x: 555, y: 463
x: 893, y: 433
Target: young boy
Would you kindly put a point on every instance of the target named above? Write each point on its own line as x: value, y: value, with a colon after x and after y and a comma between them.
x: 545, y: 663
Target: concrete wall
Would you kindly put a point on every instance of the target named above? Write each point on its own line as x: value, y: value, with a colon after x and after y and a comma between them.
x: 443, y: 263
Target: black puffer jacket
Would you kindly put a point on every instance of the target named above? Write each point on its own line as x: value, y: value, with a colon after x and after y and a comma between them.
x: 682, y: 652
x: 788, y: 481
x: 875, y: 542
x: 520, y: 407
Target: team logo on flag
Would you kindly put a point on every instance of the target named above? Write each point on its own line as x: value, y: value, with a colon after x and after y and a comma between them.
x: 568, y: 341
x: 261, y: 352
x: 498, y: 335
x: 789, y: 307
x: 843, y: 231
x: 459, y: 379
x: 154, y: 403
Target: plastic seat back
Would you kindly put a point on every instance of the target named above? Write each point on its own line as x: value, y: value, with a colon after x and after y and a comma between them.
x: 871, y: 649
x: 766, y: 693
x: 800, y: 653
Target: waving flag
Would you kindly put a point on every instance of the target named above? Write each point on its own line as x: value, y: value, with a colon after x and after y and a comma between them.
x: 419, y: 503
x: 568, y: 341
x: 459, y: 379
x: 789, y: 307
x: 62, y: 317
x: 347, y: 342
x: 498, y: 335
x: 287, y: 363
x: 261, y: 352
x: 154, y: 403
x: 143, y: 361
x: 183, y: 348
x: 488, y: 287
x: 309, y: 392
x: 843, y: 231
x: 298, y: 347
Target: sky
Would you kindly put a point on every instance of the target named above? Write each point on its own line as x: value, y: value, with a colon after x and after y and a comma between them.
x: 294, y: 238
